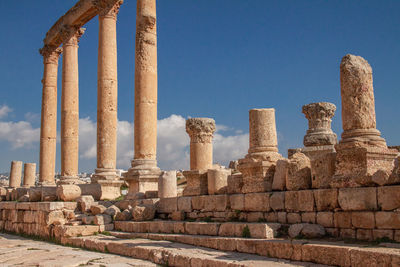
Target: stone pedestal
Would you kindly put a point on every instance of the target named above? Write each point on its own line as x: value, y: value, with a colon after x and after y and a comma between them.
x: 29, y: 174
x: 144, y: 173
x: 70, y: 108
x: 48, y: 126
x: 197, y: 183
x: 15, y: 174
x: 258, y: 166
x: 362, y: 153
x: 217, y: 181
x: 167, y: 184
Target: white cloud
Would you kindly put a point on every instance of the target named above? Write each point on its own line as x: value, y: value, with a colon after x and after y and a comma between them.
x: 19, y: 134
x: 4, y: 110
x: 32, y: 117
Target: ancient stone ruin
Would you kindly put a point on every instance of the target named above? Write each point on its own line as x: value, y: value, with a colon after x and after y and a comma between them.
x: 265, y: 204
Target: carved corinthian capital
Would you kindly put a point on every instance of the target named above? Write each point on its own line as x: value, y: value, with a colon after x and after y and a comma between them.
x: 50, y: 54
x: 200, y: 130
x: 70, y: 34
x: 107, y: 8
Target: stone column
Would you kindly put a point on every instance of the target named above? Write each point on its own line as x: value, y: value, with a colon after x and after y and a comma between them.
x: 363, y: 158
x: 70, y: 107
x: 358, y: 103
x: 107, y: 96
x: 143, y: 176
x: 29, y: 174
x: 15, y: 174
x: 48, y: 127
x: 201, y: 132
x: 259, y: 164
x: 167, y: 184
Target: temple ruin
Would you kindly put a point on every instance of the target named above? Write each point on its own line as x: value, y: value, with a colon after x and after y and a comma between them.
x: 298, y: 208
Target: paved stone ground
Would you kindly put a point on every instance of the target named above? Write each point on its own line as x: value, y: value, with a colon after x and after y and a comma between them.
x: 18, y: 251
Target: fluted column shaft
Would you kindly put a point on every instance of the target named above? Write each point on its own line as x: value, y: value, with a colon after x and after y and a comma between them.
x: 107, y: 94
x: 70, y: 109
x: 48, y: 127
x: 146, y: 81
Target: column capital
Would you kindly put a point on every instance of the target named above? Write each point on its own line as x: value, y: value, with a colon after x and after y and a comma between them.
x: 107, y: 9
x: 50, y: 54
x: 200, y: 130
x: 70, y: 34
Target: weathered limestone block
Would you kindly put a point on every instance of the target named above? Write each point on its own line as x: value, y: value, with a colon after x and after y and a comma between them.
x: 49, y: 193
x: 362, y: 152
x: 125, y: 215
x: 199, y: 228
x: 380, y: 234
x: 112, y: 210
x: 185, y: 204
x: 306, y: 230
x: 363, y: 219
x: 326, y: 199
x: 237, y: 202
x: 84, y: 203
x: 280, y: 176
x: 29, y: 174
x: 387, y: 220
x: 342, y: 219
x: 361, y: 199
x: 217, y: 181
x: 168, y: 205
x: 216, y: 203
x: 15, y: 174
x: 302, y: 200
x: 143, y: 212
x: 309, y: 217
x: 319, y: 116
x: 258, y: 166
x: 277, y: 201
x: 293, y: 218
x: 198, y: 202
x: 102, y: 219
x: 299, y: 172
x: 97, y: 209
x: 235, y: 183
x: 67, y: 192
x: 55, y: 217
x: 167, y: 186
x: 388, y: 197
x: 257, y: 202
x: 322, y: 169
x: 177, y: 216
x: 88, y: 219
x: 364, y: 234
x: 196, y: 183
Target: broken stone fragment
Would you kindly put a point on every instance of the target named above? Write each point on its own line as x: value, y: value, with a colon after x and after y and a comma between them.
x: 299, y: 172
x: 143, y: 213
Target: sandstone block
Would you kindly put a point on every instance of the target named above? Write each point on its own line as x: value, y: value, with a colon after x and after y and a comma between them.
x: 256, y: 202
x: 102, y: 219
x: 299, y: 200
x: 280, y: 176
x: 363, y: 219
x: 327, y: 254
x: 271, y: 216
x: 198, y: 202
x: 178, y: 215
x: 308, y: 217
x: 168, y: 205
x: 88, y: 220
x: 84, y: 203
x: 277, y: 201
x: 388, y: 197
x: 125, y: 215
x: 185, y: 204
x: 264, y: 231
x: 143, y: 212
x: 237, y: 201
x: 293, y: 218
x: 326, y: 199
x: 68, y: 192
x: 381, y: 233
x: 282, y: 217
x: 299, y: 172
x: 235, y: 183
x: 313, y: 231
x: 198, y: 228
x: 364, y: 234
x: 348, y: 233
x: 325, y: 219
x: 387, y: 220
x: 216, y: 203
x: 342, y: 219
x: 97, y: 209
x: 255, y: 216
x: 358, y: 198
x: 322, y: 169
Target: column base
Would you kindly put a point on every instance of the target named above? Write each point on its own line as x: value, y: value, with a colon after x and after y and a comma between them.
x: 319, y: 138
x: 363, y: 137
x: 363, y: 166
x: 142, y: 177
x: 104, y: 174
x: 110, y: 189
x: 69, y: 180
x: 258, y: 171
x: 197, y: 183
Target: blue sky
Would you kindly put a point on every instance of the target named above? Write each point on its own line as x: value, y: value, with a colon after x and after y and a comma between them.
x: 217, y: 58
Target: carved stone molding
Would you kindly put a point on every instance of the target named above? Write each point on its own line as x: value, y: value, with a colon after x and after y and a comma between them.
x: 107, y: 9
x: 70, y: 35
x: 50, y: 54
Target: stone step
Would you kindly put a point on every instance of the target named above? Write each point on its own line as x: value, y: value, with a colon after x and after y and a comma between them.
x: 175, y: 254
x: 229, y: 229
x: 338, y: 253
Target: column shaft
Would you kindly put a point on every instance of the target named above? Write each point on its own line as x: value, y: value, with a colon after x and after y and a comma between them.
x: 146, y: 81
x: 29, y: 174
x: 48, y: 127
x: 15, y: 174
x: 107, y: 94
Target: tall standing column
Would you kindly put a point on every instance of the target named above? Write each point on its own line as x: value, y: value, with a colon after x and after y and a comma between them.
x: 70, y: 108
x: 107, y: 94
x: 48, y: 127
x: 143, y: 175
